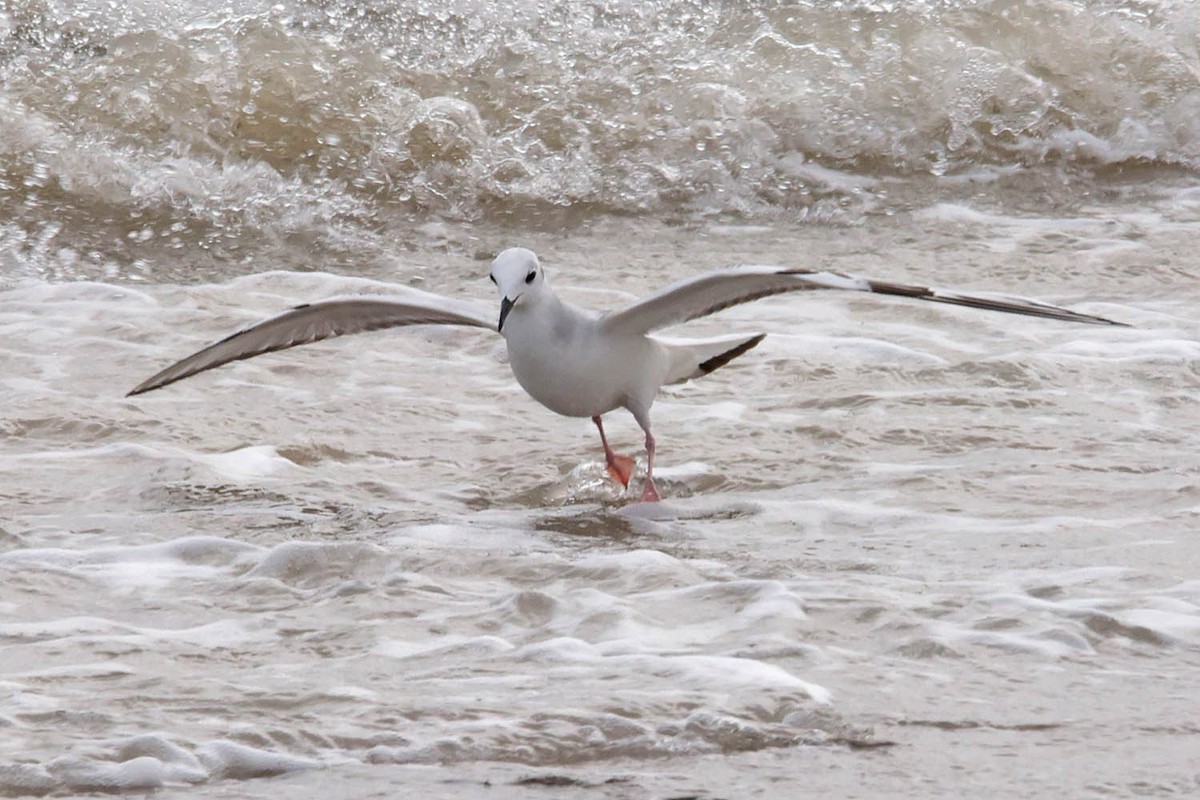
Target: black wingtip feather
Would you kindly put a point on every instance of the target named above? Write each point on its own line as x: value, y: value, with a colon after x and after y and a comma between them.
x: 720, y: 360
x: 1030, y: 308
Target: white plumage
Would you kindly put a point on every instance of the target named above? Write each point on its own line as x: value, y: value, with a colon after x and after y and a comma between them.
x: 576, y: 362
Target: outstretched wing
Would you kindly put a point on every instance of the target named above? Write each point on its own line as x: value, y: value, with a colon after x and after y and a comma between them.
x: 713, y: 291
x: 311, y: 323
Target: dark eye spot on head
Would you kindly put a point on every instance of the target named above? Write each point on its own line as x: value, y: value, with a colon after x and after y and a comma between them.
x: 529, y: 278
x: 492, y: 278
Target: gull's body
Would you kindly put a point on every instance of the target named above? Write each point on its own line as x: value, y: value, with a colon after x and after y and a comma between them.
x: 576, y: 362
x: 588, y: 374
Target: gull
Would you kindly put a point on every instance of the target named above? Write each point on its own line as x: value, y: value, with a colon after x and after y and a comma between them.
x: 577, y: 362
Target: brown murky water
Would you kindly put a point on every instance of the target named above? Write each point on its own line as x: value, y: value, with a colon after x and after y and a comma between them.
x: 904, y: 552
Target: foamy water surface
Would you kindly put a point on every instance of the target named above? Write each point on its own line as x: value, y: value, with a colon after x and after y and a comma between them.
x: 905, y: 551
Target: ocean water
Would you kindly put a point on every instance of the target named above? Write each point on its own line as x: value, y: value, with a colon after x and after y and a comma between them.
x: 904, y: 551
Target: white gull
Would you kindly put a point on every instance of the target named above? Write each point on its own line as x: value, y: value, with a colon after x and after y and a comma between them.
x: 577, y: 362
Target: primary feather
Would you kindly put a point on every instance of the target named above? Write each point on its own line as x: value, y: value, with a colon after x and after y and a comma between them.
x: 324, y: 320
x: 713, y: 291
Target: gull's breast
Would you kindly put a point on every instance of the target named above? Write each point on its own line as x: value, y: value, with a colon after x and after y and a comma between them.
x: 573, y: 370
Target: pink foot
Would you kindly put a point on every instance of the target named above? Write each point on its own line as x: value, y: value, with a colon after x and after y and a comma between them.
x: 650, y: 492
x: 621, y: 468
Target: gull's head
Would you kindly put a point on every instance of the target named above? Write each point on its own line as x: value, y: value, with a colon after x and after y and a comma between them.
x: 517, y: 274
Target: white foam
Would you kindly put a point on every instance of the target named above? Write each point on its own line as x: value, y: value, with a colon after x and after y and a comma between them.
x: 213, y: 635
x: 449, y: 646
x: 733, y: 671
x: 57, y: 628
x: 1154, y: 350
x: 1010, y: 233
x: 230, y: 760
x: 632, y: 562
x: 183, y: 763
x: 852, y: 350
x: 83, y: 670
x: 247, y: 463
x: 729, y: 410
x: 685, y: 470
x: 560, y: 650
x: 293, y: 562
x: 501, y: 529
x: 1052, y: 643
x: 142, y: 568
x: 356, y: 693
x: 1171, y: 624
x: 136, y: 774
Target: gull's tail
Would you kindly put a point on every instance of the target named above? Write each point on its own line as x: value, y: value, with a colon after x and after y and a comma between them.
x: 691, y: 358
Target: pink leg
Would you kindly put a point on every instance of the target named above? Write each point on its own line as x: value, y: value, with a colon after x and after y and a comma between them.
x: 649, y: 490
x: 620, y: 467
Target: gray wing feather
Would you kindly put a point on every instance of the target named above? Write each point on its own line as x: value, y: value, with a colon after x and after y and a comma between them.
x: 713, y: 291
x: 323, y: 320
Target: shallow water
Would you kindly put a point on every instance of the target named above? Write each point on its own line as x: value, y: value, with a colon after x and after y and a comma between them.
x: 905, y: 550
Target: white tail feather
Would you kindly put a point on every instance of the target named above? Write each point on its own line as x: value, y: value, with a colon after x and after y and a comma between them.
x: 691, y: 358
